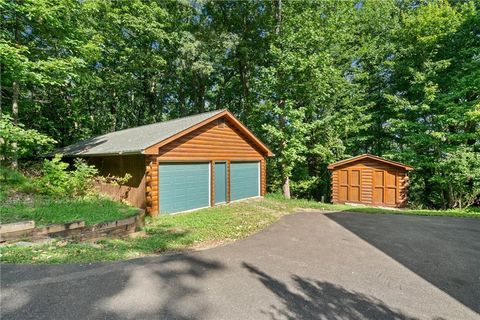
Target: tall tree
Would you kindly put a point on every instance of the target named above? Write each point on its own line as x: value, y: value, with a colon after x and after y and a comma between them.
x: 42, y: 48
x: 318, y: 80
x: 435, y: 94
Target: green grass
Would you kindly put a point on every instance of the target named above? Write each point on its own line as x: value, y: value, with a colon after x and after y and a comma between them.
x: 165, y: 233
x: 12, y: 181
x: 18, y: 202
x: 47, y: 211
x: 185, y: 231
x: 472, y: 212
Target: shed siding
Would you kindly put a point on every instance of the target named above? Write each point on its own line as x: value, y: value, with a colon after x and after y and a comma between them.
x: 379, y: 182
x: 134, y: 190
x: 216, y: 141
x: 367, y: 185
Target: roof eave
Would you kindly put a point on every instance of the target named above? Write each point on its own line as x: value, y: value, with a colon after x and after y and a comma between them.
x: 367, y: 155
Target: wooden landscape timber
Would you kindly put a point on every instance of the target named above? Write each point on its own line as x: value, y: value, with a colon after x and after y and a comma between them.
x: 76, y: 230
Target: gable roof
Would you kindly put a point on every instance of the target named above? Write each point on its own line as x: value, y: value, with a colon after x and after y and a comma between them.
x: 139, y: 140
x: 372, y: 157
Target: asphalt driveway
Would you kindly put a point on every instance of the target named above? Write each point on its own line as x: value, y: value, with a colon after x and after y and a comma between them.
x: 306, y: 266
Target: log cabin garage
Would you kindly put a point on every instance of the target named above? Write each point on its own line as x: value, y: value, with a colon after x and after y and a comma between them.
x: 370, y: 180
x: 182, y: 164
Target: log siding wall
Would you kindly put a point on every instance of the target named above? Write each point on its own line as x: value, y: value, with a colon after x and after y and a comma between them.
x: 151, y: 181
x: 219, y: 140
x: 214, y: 141
x: 263, y: 177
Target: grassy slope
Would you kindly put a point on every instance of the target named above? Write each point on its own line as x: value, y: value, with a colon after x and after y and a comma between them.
x: 44, y: 210
x: 185, y: 231
x: 48, y: 211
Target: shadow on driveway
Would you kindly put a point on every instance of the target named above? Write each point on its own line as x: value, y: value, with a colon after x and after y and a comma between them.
x: 149, y: 288
x: 445, y: 251
x: 313, y: 299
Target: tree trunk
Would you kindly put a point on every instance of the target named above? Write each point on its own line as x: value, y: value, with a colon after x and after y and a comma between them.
x: 15, y: 91
x: 278, y: 17
x: 281, y: 104
x: 113, y: 111
x: 286, y: 188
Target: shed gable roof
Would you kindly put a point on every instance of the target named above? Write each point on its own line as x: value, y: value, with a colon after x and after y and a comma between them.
x: 372, y: 157
x: 142, y: 139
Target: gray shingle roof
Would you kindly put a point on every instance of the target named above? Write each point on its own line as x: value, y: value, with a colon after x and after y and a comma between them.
x: 134, y: 140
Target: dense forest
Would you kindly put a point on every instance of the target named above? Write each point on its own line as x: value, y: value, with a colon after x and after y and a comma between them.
x: 318, y: 81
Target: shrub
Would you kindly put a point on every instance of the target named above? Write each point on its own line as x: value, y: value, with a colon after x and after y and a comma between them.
x: 17, y: 142
x: 13, y: 181
x: 57, y: 180
x: 83, y: 178
x: 10, y: 177
x: 458, y: 176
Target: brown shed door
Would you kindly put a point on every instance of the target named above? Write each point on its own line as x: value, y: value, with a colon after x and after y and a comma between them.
x: 343, y: 185
x: 349, y: 185
x: 385, y: 187
x: 390, y: 188
x: 378, y: 186
x: 354, y: 187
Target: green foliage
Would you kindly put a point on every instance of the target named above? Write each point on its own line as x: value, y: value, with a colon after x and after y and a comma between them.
x: 56, y: 180
x: 434, y: 96
x: 304, y: 188
x: 115, y: 180
x: 83, y: 178
x: 16, y: 141
x: 328, y: 80
x: 48, y: 210
x: 12, y: 181
x: 20, y: 199
x: 458, y: 176
x: 11, y: 177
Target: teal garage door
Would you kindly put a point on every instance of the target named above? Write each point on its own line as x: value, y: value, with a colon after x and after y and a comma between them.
x: 244, y: 180
x: 220, y: 182
x: 183, y: 186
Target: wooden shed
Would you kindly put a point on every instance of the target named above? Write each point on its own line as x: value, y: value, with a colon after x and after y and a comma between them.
x: 370, y: 180
x: 182, y: 164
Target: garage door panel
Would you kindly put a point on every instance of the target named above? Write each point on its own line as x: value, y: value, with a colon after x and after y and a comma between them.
x: 244, y: 180
x: 183, y: 186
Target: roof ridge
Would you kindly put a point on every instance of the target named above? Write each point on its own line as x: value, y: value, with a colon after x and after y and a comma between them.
x: 368, y: 155
x: 166, y: 121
